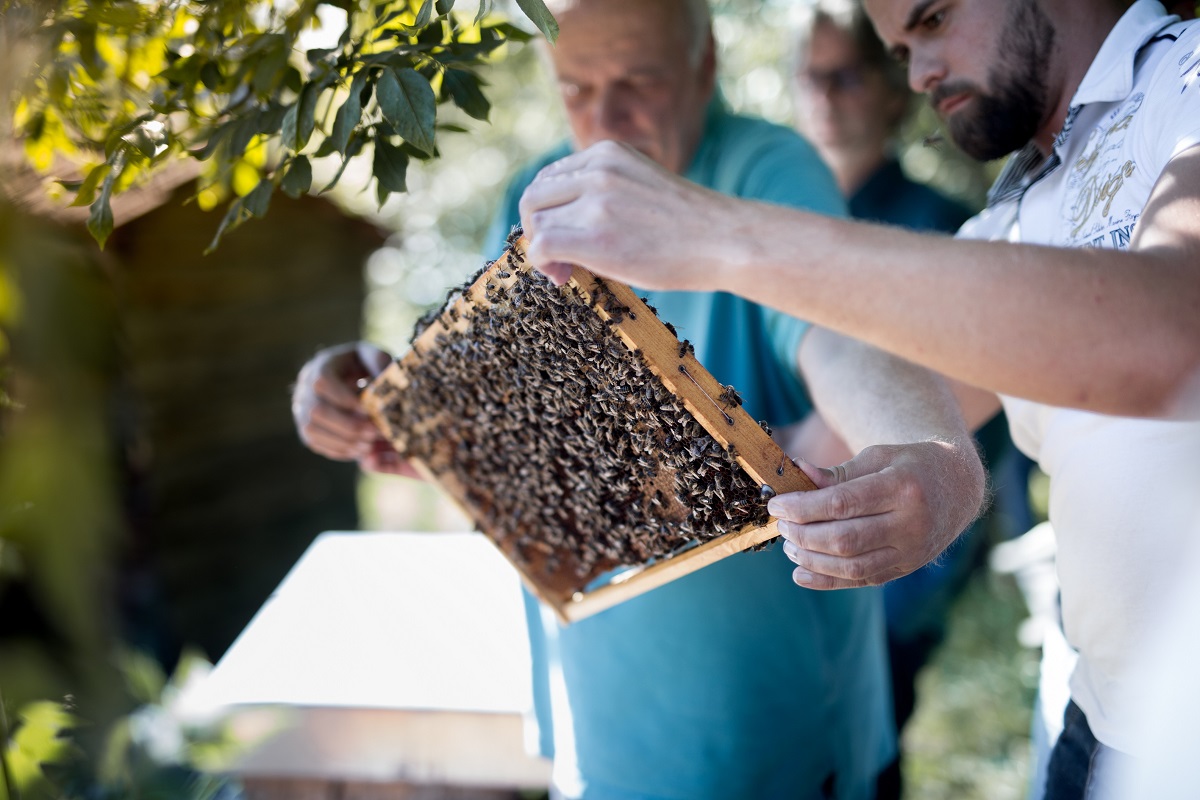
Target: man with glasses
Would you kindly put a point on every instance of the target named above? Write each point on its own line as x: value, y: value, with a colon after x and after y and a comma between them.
x: 851, y: 100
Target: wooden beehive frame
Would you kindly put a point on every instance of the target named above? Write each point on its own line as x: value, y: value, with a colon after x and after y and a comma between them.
x: 679, y: 371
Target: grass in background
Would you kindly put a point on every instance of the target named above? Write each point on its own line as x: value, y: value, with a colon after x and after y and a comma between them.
x: 969, y: 737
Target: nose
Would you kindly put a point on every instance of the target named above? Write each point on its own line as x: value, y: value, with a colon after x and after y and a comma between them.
x: 925, y: 71
x: 609, y: 112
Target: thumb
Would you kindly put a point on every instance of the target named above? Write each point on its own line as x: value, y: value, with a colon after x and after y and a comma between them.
x: 557, y: 271
x: 822, y: 477
x: 372, y: 359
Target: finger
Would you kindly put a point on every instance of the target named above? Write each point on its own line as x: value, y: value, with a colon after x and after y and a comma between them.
x: 861, y: 497
x: 820, y: 476
x: 876, y: 566
x: 330, y: 445
x: 373, y: 359
x: 353, y: 427
x: 552, y: 192
x: 557, y: 271
x: 843, y: 538
x: 554, y: 251
x: 604, y: 152
x: 339, y: 391
x: 802, y: 577
x: 389, y: 462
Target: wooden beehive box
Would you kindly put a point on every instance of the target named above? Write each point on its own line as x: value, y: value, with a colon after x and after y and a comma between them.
x: 581, y: 436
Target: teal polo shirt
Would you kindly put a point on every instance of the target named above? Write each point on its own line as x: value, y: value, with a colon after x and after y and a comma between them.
x: 732, y: 682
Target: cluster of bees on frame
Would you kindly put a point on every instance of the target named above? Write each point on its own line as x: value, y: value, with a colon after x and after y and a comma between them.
x: 561, y: 437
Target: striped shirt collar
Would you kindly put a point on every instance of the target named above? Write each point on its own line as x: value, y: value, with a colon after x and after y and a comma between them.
x: 1109, y: 79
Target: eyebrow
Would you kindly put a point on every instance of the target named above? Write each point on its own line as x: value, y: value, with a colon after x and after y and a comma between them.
x: 915, y: 14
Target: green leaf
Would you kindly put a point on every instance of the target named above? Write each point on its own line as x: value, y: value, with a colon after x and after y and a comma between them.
x: 211, y: 77
x: 353, y: 148
x: 485, y: 8
x: 349, y: 114
x: 463, y: 87
x: 298, y: 179
x: 510, y: 32
x: 300, y: 119
x: 214, y: 140
x: 259, y: 199
x: 318, y: 54
x: 234, y: 217
x: 187, y: 70
x: 143, y: 676
x: 100, y: 218
x: 390, y: 167
x: 86, y: 192
x: 269, y: 68
x: 444, y: 7
x: 408, y: 103
x: 540, y: 15
x: 145, y: 140
x: 425, y: 14
x: 270, y: 119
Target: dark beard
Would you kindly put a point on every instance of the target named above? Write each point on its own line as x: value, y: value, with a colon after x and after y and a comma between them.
x: 1007, y: 117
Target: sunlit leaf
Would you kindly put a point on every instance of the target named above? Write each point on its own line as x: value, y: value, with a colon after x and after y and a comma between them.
x: 39, y: 739
x: 86, y: 192
x: 408, y: 103
x: 540, y: 15
x: 511, y: 32
x: 425, y: 14
x: 244, y: 179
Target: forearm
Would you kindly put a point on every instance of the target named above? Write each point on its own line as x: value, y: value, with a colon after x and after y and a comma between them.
x: 868, y: 397
x: 1104, y: 331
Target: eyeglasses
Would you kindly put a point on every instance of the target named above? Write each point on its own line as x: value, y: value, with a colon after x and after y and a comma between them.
x: 840, y: 80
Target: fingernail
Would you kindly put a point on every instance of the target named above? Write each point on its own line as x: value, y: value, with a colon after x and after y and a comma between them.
x: 802, y: 577
x: 773, y: 507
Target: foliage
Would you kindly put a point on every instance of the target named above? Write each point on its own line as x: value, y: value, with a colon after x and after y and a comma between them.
x: 151, y: 753
x: 132, y: 84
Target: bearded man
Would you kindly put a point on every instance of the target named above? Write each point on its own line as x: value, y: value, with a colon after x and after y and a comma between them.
x: 1074, y: 297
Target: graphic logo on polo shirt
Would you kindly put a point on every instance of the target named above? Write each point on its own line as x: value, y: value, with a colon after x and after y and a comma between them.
x: 1095, y: 182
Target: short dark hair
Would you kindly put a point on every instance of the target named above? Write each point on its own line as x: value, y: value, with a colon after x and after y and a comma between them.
x: 848, y: 17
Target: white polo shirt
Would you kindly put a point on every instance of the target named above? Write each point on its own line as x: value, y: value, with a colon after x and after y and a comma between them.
x: 1119, y: 510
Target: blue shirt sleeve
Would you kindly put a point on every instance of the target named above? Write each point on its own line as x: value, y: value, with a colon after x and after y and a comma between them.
x: 775, y: 165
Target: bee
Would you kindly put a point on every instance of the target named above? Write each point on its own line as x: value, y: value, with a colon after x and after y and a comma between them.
x: 730, y: 396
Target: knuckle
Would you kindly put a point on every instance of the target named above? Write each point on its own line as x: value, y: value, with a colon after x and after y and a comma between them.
x: 856, y: 570
x: 844, y: 545
x: 841, y: 503
x: 911, y: 492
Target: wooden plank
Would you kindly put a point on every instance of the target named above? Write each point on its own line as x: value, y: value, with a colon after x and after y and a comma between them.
x: 715, y: 407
